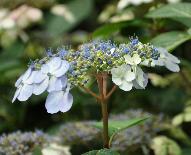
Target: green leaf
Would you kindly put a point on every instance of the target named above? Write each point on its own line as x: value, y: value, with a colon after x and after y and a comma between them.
x: 93, y: 152
x: 116, y: 126
x: 182, y: 10
x: 73, y: 15
x: 108, y: 29
x: 37, y: 151
x: 102, y: 152
x: 184, y: 21
x: 170, y: 40
x: 107, y: 152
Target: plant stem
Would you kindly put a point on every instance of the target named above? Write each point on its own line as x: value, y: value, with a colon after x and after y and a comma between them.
x: 102, y: 84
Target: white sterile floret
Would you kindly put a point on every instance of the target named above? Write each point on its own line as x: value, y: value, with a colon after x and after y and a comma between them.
x: 24, y: 86
x: 168, y: 60
x: 141, y: 78
x: 50, y: 77
x: 59, y: 101
x: 53, y: 72
x: 134, y: 60
x: 123, y: 77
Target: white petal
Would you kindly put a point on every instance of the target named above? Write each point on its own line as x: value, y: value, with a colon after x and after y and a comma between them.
x: 172, y: 66
x: 173, y: 58
x: 129, y: 76
x: 41, y: 87
x: 30, y: 79
x: 126, y: 86
x: 136, y: 59
x: 62, y: 70
x: 140, y: 76
x: 40, y: 77
x: 16, y: 94
x: 54, y: 64
x: 144, y: 83
x: 26, y: 92
x: 45, y: 69
x: 128, y: 59
x: 66, y: 104
x: 117, y: 81
x: 18, y: 82
x: 27, y: 74
x: 53, y: 101
x: 57, y: 84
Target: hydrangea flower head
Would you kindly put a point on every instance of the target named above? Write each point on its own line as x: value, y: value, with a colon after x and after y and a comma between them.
x: 59, y: 72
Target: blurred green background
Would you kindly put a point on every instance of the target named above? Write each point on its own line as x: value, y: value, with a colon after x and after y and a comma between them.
x: 28, y: 27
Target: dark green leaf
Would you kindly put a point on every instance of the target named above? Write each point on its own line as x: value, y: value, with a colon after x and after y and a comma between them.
x: 170, y: 40
x: 108, y: 29
x: 56, y: 25
x: 182, y: 10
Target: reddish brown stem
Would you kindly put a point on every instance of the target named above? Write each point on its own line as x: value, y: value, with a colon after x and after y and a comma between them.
x: 102, y: 85
x: 111, y: 91
x: 90, y: 92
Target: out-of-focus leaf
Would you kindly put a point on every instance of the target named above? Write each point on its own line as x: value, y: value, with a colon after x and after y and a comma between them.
x: 158, y: 80
x: 185, y: 116
x: 93, y: 152
x: 165, y: 146
x: 189, y: 31
x: 8, y: 64
x: 37, y: 151
x: 182, y: 10
x: 102, y: 152
x: 170, y: 40
x: 108, y: 29
x: 185, y: 21
x: 186, y: 151
x: 73, y: 12
x: 14, y: 51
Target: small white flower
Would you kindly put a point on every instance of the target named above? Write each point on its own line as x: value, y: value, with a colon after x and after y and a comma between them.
x: 168, y: 60
x: 123, y: 77
x: 141, y: 78
x: 59, y: 101
x: 134, y: 60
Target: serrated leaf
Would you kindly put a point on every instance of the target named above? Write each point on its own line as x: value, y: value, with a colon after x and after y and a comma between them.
x: 108, y: 29
x: 170, y: 40
x: 55, y: 24
x: 182, y: 10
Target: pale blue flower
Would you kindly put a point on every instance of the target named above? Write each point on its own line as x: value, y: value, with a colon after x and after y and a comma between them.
x: 123, y: 77
x: 168, y: 60
x: 52, y: 75
x: 24, y: 86
x: 59, y: 101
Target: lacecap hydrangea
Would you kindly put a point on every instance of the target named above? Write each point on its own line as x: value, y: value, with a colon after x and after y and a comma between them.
x: 63, y: 69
